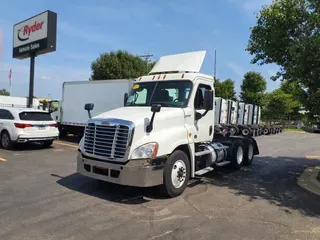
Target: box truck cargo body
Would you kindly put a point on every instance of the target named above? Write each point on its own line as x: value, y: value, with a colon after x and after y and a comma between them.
x: 221, y: 111
x: 104, y: 94
x: 19, y: 102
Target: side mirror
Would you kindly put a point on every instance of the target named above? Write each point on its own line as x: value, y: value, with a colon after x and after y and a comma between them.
x: 155, y: 108
x: 125, y: 98
x: 88, y: 106
x: 208, y: 100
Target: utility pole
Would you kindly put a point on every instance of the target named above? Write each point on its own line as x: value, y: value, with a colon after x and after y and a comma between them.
x: 215, y: 64
x: 146, y: 56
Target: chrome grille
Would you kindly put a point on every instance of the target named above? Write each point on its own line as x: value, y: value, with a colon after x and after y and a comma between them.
x: 107, y: 141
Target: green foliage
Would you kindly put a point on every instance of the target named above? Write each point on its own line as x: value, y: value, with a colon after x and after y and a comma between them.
x: 4, y: 92
x: 279, y: 105
x: 119, y: 65
x: 44, y: 104
x: 287, y: 33
x: 225, y: 89
x: 252, y: 88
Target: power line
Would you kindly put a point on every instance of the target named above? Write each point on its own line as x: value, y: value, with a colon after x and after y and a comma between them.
x: 146, y: 56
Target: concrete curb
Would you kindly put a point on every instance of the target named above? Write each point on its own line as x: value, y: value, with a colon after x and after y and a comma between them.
x: 308, y: 180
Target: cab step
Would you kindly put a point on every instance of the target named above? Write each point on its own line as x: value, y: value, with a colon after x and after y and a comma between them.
x: 203, y: 171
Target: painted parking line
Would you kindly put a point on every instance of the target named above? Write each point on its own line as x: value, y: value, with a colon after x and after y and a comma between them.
x: 66, y: 144
x: 3, y: 159
x: 313, y: 156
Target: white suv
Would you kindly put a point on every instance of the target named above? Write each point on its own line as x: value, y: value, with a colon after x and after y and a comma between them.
x: 21, y: 125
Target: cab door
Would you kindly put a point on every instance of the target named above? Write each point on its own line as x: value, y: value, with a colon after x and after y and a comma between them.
x: 204, y: 125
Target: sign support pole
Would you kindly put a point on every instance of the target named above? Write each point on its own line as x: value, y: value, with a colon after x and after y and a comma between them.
x: 31, y: 81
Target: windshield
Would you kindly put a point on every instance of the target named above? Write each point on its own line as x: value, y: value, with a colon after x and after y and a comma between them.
x: 166, y: 93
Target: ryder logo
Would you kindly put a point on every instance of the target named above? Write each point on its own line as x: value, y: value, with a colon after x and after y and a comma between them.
x: 25, y: 31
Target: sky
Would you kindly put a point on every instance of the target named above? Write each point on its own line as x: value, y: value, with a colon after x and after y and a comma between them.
x: 88, y: 28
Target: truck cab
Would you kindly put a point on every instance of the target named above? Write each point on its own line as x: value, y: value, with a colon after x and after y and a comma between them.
x: 164, y: 133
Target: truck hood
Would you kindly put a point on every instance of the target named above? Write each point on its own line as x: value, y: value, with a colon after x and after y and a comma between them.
x: 141, y: 116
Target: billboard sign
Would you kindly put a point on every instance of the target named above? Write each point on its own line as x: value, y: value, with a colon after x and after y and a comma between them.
x: 35, y: 36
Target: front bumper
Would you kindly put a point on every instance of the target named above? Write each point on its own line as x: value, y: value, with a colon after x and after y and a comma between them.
x: 128, y: 175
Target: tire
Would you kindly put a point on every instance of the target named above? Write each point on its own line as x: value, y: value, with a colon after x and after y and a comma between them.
x: 178, y: 161
x: 266, y: 131
x: 234, y: 130
x: 246, y: 132
x: 235, y: 154
x: 248, y: 156
x: 6, y: 142
x: 47, y: 143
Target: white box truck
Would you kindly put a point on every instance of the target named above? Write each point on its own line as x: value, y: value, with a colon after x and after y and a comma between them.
x: 19, y: 102
x: 165, y: 138
x: 104, y: 94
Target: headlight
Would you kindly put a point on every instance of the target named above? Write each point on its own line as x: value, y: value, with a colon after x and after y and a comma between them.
x: 81, y: 143
x: 148, y: 150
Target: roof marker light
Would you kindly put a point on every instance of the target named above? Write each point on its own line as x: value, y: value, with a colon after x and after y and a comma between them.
x: 164, y: 76
x: 153, y: 77
x: 159, y: 77
x: 182, y: 75
x: 140, y: 78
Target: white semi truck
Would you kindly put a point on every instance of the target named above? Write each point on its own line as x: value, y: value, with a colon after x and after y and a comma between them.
x: 164, y: 132
x: 105, y: 94
x: 241, y: 118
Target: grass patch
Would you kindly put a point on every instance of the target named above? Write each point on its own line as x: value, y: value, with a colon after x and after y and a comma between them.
x: 294, y: 130
x: 318, y: 178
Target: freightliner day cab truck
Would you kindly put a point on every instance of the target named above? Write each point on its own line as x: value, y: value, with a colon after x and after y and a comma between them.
x: 164, y: 133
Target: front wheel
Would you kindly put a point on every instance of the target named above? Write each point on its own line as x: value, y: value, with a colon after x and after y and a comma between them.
x: 176, y: 174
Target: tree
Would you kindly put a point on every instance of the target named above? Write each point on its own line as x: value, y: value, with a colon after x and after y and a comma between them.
x: 225, y: 89
x: 119, y: 65
x: 287, y: 33
x: 4, y: 92
x: 252, y: 88
x: 279, y: 105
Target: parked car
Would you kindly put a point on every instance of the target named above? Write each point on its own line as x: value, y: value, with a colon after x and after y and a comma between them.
x: 316, y: 128
x: 22, y: 125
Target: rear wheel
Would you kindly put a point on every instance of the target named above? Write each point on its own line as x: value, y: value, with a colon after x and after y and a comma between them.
x: 234, y: 130
x: 47, y: 143
x: 248, y: 156
x: 246, y: 132
x: 176, y: 174
x: 235, y: 153
x: 6, y: 142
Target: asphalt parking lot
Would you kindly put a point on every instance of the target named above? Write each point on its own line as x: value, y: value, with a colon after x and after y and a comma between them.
x: 42, y: 197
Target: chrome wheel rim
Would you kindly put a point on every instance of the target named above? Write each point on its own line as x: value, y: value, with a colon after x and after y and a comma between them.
x: 239, y: 155
x: 250, y: 151
x: 178, y: 173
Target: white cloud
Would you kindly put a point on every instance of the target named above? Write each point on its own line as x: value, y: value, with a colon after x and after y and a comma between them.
x: 237, y: 69
x: 44, y: 78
